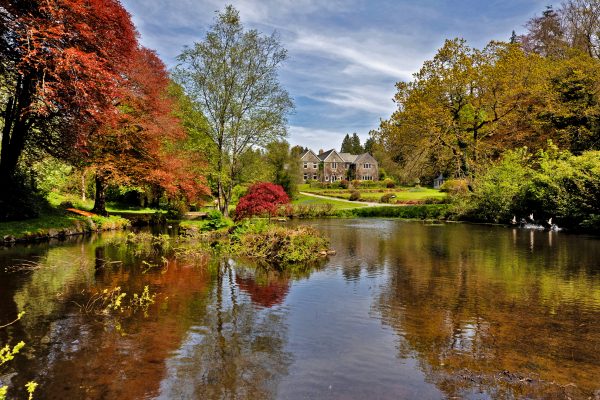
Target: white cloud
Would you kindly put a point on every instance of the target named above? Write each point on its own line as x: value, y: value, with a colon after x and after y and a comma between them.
x: 315, y: 138
x: 375, y: 57
x: 344, y: 55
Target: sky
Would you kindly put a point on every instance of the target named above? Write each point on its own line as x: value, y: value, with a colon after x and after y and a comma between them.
x: 344, y: 56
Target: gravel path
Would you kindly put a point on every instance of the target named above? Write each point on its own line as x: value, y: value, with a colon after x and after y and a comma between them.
x: 368, y: 203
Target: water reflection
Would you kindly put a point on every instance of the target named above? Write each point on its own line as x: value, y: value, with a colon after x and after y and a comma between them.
x: 404, y: 310
x: 485, y: 317
x: 205, y: 333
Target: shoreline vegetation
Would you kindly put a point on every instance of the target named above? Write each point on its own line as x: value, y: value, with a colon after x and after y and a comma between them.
x: 433, y: 205
x: 58, y: 226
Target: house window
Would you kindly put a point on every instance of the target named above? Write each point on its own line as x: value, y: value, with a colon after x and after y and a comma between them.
x: 315, y: 177
x: 315, y: 166
x: 305, y: 165
x: 333, y: 178
x: 367, y: 178
x: 334, y: 165
x: 305, y: 176
x: 367, y: 165
x: 326, y: 178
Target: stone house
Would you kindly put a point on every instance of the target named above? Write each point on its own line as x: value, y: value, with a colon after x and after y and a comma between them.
x: 331, y: 166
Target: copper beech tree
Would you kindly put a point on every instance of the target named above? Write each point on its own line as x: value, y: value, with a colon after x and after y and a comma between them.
x: 75, y: 84
x: 60, y: 72
x: 141, y: 148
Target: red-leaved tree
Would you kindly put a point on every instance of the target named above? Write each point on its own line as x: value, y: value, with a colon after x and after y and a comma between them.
x: 141, y: 147
x: 60, y: 69
x: 263, y: 198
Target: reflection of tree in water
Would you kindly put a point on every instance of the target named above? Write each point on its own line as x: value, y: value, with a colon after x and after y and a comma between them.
x: 494, y: 321
x: 93, y: 356
x: 265, y: 287
x: 235, y: 352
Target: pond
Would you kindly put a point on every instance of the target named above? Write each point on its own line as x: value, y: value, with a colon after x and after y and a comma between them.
x: 403, y: 310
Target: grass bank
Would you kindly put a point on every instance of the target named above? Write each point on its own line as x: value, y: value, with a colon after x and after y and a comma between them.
x: 56, y: 225
x: 57, y: 199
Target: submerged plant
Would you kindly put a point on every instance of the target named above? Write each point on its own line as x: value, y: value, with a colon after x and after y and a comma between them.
x: 142, y: 301
x: 114, y: 300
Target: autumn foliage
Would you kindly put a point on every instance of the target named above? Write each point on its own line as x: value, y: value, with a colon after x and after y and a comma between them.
x: 77, y: 85
x: 61, y: 67
x: 141, y: 147
x: 263, y: 198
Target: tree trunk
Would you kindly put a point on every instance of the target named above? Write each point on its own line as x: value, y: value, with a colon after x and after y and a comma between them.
x: 15, y: 130
x: 100, y: 200
x: 83, y: 185
x: 224, y: 202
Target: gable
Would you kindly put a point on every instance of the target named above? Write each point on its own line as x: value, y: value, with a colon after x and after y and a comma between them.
x: 310, y: 156
x: 333, y: 156
x: 347, y: 157
x: 366, y: 158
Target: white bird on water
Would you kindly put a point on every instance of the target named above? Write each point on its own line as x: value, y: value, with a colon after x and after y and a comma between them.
x: 550, y: 222
x: 514, y: 220
x: 531, y: 217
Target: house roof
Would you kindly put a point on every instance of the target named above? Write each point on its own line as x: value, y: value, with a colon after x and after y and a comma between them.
x: 328, y: 154
x: 347, y: 157
x: 323, y: 156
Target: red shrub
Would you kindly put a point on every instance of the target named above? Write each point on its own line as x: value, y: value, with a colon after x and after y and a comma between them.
x: 263, y: 198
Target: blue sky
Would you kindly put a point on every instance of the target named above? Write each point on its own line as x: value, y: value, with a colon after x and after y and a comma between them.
x: 344, y: 56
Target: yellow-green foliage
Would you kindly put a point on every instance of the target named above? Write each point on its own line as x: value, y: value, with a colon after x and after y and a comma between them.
x: 142, y: 301
x: 115, y: 301
x: 7, y: 354
x: 550, y: 184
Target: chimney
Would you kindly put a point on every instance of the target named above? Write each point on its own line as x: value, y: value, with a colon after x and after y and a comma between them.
x: 320, y: 151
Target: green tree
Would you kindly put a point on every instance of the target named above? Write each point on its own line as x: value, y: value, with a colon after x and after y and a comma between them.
x: 464, y: 107
x: 298, y: 150
x: 255, y: 168
x: 573, y: 110
x: 285, y: 166
x: 355, y: 144
x: 232, y: 76
x: 370, y: 143
x: 346, y: 145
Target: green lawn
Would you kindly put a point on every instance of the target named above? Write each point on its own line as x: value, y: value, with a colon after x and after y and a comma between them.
x: 337, y: 204
x: 55, y: 199
x: 38, y: 225
x: 403, y: 194
x: 54, y: 221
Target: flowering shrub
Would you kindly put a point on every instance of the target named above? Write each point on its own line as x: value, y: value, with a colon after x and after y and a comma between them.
x: 263, y: 198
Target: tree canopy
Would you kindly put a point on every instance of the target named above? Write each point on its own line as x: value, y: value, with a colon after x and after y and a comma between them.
x: 60, y: 68
x: 232, y: 76
x: 76, y: 85
x: 351, y: 144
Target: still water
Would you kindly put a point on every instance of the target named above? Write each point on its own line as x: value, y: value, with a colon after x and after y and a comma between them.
x: 403, y: 311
